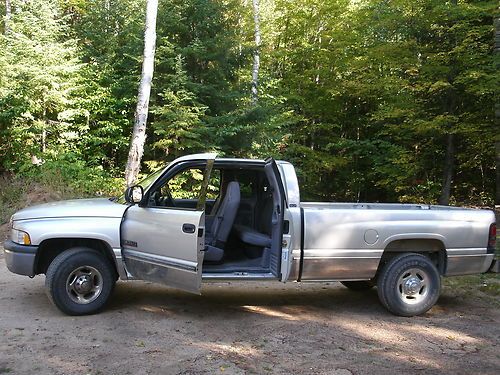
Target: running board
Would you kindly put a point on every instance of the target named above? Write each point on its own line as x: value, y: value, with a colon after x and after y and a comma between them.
x: 218, y: 276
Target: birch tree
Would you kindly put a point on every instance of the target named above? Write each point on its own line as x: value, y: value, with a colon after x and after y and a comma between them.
x: 141, y: 113
x: 8, y: 13
x: 256, y: 54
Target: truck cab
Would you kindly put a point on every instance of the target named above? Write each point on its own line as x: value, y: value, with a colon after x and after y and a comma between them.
x: 206, y: 218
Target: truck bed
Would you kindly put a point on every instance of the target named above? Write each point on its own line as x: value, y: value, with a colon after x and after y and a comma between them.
x: 347, y: 240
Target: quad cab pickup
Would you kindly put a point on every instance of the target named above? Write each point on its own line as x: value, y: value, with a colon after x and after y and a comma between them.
x: 203, y: 218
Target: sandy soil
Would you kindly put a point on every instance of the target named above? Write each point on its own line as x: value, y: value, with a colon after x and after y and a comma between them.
x: 242, y: 328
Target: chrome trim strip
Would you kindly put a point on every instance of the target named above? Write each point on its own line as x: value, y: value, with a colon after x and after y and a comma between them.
x: 347, y: 268
x: 120, y: 265
x: 158, y: 260
x: 468, y: 264
x: 342, y: 253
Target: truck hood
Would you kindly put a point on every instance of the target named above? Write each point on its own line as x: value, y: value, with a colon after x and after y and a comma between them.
x: 97, y: 207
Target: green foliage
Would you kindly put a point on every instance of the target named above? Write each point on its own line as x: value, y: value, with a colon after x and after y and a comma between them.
x: 360, y: 96
x: 68, y: 176
x: 64, y: 178
x: 178, y: 116
x: 39, y: 71
x: 378, y: 85
x: 11, y: 194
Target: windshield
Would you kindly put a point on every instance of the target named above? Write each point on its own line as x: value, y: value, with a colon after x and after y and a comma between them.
x: 145, y: 183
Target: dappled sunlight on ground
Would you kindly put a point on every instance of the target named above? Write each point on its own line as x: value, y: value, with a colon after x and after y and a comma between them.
x: 271, y: 312
x: 238, y: 328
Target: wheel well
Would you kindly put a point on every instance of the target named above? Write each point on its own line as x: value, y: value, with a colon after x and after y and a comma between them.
x: 433, y: 249
x: 51, y: 248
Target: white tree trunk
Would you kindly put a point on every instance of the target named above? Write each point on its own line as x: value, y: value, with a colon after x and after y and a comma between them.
x: 8, y: 13
x: 141, y: 112
x: 256, y: 54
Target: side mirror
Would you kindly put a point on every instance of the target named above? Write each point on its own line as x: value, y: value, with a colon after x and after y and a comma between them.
x: 134, y: 194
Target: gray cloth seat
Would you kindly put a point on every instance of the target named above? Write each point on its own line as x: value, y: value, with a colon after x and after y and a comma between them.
x: 261, y: 235
x: 216, y: 236
x: 252, y: 237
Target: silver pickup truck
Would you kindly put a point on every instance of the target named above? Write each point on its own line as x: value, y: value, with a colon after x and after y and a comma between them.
x: 204, y: 218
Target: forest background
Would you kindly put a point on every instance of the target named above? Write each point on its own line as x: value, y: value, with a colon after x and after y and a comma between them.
x: 371, y: 100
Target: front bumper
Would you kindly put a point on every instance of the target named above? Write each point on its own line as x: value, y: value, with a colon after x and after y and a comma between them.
x: 20, y: 259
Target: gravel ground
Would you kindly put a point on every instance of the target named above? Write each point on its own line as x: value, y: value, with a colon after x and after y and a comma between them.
x: 252, y: 328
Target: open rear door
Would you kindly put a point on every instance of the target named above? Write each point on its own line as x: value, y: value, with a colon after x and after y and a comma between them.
x: 279, y: 202
x: 165, y: 244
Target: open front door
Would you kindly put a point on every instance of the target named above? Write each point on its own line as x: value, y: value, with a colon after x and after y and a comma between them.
x: 164, y: 243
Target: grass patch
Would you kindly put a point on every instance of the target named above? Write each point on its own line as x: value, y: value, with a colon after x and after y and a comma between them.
x: 487, y: 284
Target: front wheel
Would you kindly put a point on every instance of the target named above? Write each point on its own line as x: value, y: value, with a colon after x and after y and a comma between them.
x: 409, y: 284
x: 80, y: 281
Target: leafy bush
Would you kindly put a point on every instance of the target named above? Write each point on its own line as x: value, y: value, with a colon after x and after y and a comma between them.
x: 11, y: 193
x: 63, y: 177
x: 69, y: 177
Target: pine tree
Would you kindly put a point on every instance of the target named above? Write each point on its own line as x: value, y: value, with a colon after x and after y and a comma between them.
x: 39, y: 73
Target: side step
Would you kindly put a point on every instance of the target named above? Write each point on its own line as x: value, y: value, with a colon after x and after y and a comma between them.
x: 222, y: 276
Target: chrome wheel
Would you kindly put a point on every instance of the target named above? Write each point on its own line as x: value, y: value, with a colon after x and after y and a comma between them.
x: 409, y: 284
x: 84, y: 285
x: 413, y: 286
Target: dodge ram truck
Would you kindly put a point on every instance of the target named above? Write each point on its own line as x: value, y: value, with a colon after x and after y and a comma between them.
x: 204, y: 218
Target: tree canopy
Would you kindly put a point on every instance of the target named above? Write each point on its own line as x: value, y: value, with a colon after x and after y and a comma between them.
x: 371, y: 100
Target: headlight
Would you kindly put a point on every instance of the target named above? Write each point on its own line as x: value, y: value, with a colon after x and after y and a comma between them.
x: 20, y: 237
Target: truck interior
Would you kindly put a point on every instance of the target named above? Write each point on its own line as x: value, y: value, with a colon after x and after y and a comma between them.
x: 243, y: 214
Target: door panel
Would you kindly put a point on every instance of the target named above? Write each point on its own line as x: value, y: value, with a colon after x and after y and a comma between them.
x: 279, y: 204
x: 186, y: 203
x: 209, y: 205
x: 156, y: 248
x: 165, y: 244
x: 192, y: 203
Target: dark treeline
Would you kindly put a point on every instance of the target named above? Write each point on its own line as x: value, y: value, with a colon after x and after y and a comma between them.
x: 371, y: 100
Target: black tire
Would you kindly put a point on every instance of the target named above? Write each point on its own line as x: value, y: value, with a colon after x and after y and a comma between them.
x: 80, y: 281
x: 358, y: 286
x: 409, y: 284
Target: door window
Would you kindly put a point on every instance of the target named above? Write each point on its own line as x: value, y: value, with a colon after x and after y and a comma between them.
x: 185, y: 184
x: 184, y: 188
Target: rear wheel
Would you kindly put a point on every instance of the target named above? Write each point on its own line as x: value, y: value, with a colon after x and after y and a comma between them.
x: 358, y: 285
x: 409, y: 284
x: 80, y: 281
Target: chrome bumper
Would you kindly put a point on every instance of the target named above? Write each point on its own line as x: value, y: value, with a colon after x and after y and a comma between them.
x: 20, y: 259
x: 468, y: 264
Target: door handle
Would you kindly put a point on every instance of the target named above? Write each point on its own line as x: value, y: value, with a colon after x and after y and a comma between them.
x: 188, y: 228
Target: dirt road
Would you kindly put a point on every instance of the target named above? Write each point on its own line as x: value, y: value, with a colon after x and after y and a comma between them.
x: 261, y: 328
